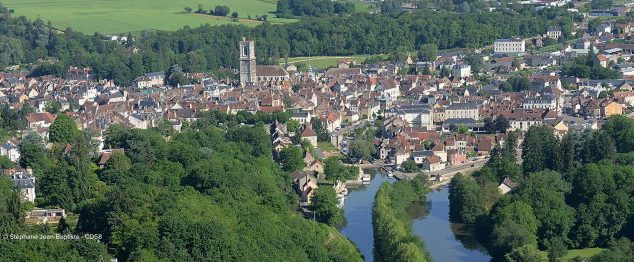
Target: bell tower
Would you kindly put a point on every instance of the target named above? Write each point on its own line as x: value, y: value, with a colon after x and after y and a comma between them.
x: 247, y: 63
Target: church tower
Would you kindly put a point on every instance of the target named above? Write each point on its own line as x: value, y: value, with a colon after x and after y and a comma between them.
x: 247, y: 63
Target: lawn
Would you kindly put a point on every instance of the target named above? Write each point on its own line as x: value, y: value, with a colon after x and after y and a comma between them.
x: 327, y: 147
x: 120, y: 16
x: 584, y: 253
x: 324, y: 62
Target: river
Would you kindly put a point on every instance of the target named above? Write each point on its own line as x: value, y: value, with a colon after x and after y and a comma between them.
x: 445, y: 241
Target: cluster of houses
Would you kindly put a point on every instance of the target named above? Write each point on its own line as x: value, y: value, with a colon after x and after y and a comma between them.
x: 436, y: 120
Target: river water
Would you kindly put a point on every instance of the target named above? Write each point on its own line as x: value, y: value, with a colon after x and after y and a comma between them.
x: 446, y: 241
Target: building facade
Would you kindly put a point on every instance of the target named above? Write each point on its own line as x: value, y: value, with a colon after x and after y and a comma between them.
x: 509, y: 46
x: 248, y: 69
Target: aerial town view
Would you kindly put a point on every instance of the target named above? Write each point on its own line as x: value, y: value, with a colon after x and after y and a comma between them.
x: 317, y: 130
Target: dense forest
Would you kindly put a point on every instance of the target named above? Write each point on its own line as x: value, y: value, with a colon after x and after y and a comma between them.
x: 393, y: 236
x: 572, y: 192
x: 210, y: 47
x: 211, y: 192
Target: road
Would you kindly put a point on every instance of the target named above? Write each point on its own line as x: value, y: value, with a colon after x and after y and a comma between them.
x: 338, y: 135
x: 451, y: 170
x: 447, y: 173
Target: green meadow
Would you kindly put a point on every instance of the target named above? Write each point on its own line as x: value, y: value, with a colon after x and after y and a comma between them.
x: 120, y: 16
x: 324, y: 62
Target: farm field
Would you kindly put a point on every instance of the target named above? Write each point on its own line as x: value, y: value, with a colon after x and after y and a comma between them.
x: 324, y: 62
x: 121, y: 16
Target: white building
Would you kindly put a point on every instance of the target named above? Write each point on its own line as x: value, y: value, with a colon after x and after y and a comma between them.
x: 149, y: 80
x: 509, y: 46
x: 302, y: 117
x: 25, y: 182
x: 553, y: 32
x: 11, y: 151
x: 462, y: 110
x: 546, y: 101
x: 415, y: 115
x: 461, y: 71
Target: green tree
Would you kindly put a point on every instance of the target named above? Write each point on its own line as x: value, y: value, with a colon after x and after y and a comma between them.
x: 545, y: 191
x: 32, y: 151
x: 325, y: 205
x: 526, y: 253
x: 11, y: 215
x: 557, y: 250
x: 465, y: 204
x: 335, y: 170
x: 221, y: 10
x: 508, y: 236
x: 518, y: 212
x: 292, y: 159
x: 361, y: 150
x: 292, y: 126
x: 428, y: 52
x: 117, y: 168
x: 5, y: 163
x: 63, y: 130
x: 410, y: 166
x: 53, y: 107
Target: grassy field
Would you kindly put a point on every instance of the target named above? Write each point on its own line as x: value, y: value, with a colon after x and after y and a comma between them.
x: 584, y: 253
x: 324, y: 62
x: 120, y: 16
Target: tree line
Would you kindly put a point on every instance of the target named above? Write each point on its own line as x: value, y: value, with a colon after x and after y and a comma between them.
x: 294, y: 8
x: 571, y: 192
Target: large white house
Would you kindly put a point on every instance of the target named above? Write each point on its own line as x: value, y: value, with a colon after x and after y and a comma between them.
x: 509, y: 46
x: 25, y: 182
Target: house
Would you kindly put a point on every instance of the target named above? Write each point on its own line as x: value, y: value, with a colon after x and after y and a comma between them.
x: 462, y: 110
x: 45, y: 216
x: 461, y: 71
x: 439, y: 150
x: 610, y: 108
x: 433, y: 163
x: 506, y: 186
x: 10, y: 150
x: 149, y: 80
x: 312, y: 164
x: 310, y: 135
x: 553, y: 32
x: 303, y: 117
x: 331, y: 120
x: 419, y: 156
x: 304, y: 183
x: 546, y: 101
x: 104, y: 156
x: 506, y: 46
x: 25, y: 182
x: 455, y: 156
x: 601, y: 60
x: 35, y: 120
